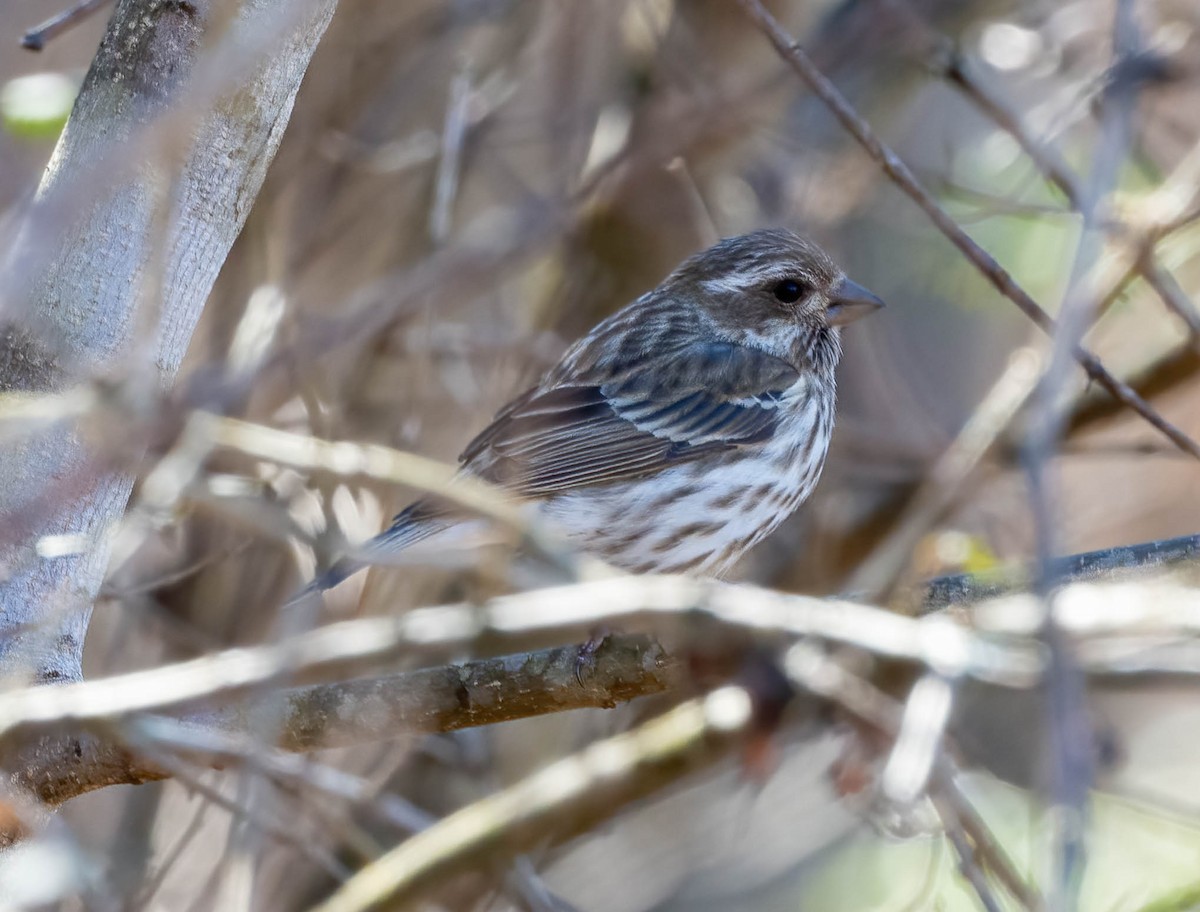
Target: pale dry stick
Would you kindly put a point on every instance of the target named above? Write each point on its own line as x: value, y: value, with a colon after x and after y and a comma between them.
x: 1100, y: 611
x: 336, y: 649
x: 568, y: 797
x: 1140, y: 629
x: 383, y: 463
x: 902, y: 176
x: 1161, y: 656
x: 918, y: 739
x: 23, y: 412
x: 879, y: 574
x: 1175, y: 202
x: 450, y: 164
x: 629, y: 599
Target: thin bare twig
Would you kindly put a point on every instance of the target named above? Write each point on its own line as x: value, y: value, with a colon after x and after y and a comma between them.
x: 1046, y: 159
x: 36, y: 38
x: 1164, y: 374
x: 995, y: 860
x: 902, y: 176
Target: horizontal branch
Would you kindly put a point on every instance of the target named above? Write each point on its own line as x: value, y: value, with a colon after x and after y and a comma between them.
x: 451, y: 697
x: 1109, y: 565
x: 56, y: 767
x: 60, y: 741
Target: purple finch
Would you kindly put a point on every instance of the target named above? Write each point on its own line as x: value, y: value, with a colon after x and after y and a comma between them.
x: 681, y: 430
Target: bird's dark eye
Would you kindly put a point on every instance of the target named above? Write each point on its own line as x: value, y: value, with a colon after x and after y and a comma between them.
x: 789, y: 291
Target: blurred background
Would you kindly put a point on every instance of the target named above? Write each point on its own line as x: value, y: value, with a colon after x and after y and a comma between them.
x: 465, y: 188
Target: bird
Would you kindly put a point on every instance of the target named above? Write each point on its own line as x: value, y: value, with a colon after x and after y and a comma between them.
x: 684, y: 428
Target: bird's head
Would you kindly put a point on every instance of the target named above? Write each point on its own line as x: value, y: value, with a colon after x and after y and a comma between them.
x: 776, y: 291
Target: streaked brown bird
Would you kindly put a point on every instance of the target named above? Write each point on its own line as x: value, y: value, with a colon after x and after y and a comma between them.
x: 684, y: 428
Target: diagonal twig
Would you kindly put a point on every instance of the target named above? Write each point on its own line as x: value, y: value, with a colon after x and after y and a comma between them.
x: 902, y: 176
x: 35, y: 39
x: 956, y: 70
x: 573, y: 794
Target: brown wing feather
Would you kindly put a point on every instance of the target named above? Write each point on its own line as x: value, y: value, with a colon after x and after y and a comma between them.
x: 633, y: 420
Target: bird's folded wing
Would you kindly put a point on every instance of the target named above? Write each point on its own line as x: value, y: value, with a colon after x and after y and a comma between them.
x: 622, y: 421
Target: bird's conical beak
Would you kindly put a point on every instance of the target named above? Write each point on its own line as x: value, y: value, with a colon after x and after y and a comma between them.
x: 849, y: 302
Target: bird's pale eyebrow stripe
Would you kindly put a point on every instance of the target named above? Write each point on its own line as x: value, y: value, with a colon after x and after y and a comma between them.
x: 740, y: 281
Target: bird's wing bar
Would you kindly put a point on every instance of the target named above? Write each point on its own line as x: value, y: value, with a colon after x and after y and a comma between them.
x: 616, y: 423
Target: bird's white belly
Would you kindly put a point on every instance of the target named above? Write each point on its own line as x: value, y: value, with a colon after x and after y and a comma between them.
x: 701, y: 516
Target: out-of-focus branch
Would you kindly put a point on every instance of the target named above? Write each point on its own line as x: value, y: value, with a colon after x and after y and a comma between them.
x: 881, y: 571
x: 60, y: 741
x: 564, y: 799
x: 1163, y: 205
x: 1122, y: 563
x: 958, y: 73
x: 340, y: 650
x: 925, y: 771
x: 578, y: 792
x: 35, y: 39
x: 902, y: 176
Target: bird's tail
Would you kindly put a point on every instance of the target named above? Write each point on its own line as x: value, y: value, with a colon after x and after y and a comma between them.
x: 414, y: 524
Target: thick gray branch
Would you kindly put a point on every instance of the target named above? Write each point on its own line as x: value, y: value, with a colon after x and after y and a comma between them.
x: 166, y: 149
